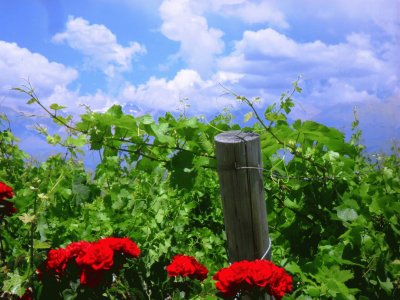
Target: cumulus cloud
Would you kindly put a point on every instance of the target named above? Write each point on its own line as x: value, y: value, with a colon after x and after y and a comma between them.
x: 252, y: 12
x: 73, y: 100
x: 160, y: 94
x: 50, y: 81
x: 99, y: 45
x: 199, y: 44
x: 184, y: 21
x: 261, y: 55
x: 17, y: 65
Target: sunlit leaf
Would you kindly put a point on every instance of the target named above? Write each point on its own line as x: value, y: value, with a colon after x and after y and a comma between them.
x: 55, y: 106
x: 248, y: 116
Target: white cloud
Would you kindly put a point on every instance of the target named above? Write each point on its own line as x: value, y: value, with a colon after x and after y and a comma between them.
x: 266, y: 57
x: 73, y: 100
x: 220, y: 3
x: 160, y: 94
x: 50, y: 81
x: 385, y: 14
x: 183, y: 22
x: 17, y: 65
x: 266, y: 42
x: 99, y: 45
x: 252, y: 11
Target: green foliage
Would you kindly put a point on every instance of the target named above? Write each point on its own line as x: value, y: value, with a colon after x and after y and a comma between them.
x: 333, y: 211
x: 11, y: 157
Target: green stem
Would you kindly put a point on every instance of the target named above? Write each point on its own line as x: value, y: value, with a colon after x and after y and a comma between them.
x: 32, y: 265
x: 32, y: 233
x: 2, y: 253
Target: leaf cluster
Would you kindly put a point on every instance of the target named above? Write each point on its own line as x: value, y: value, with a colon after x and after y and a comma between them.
x: 333, y: 211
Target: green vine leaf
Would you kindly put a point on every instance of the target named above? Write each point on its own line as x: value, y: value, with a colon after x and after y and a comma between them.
x: 248, y: 116
x: 56, y: 106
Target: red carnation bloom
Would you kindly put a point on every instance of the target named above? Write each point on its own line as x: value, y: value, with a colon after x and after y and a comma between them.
x: 112, y: 242
x: 5, y: 191
x: 122, y: 245
x: 233, y: 279
x: 187, y: 266
x: 76, y: 249
x: 181, y: 265
x: 6, y: 207
x: 280, y: 284
x: 201, y: 272
x: 97, y: 256
x: 94, y: 260
x: 260, y: 273
x: 225, y: 277
x: 130, y: 248
x: 247, y: 277
x: 57, y: 260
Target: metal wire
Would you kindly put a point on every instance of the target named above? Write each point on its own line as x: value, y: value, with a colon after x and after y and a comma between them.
x: 269, y: 248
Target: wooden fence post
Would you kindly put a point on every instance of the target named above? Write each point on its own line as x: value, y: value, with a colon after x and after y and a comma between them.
x: 239, y: 164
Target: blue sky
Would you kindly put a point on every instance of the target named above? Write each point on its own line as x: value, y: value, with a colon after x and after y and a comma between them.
x: 149, y: 55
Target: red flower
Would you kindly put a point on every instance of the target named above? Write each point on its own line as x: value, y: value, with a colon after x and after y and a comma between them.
x: 225, y: 277
x: 123, y: 245
x: 233, y: 279
x: 5, y: 191
x: 260, y: 273
x: 281, y: 283
x: 97, y: 257
x: 57, y: 260
x: 187, y: 266
x: 94, y: 260
x: 130, y: 248
x: 201, y: 272
x: 6, y: 207
x: 76, y: 249
x: 248, y: 277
